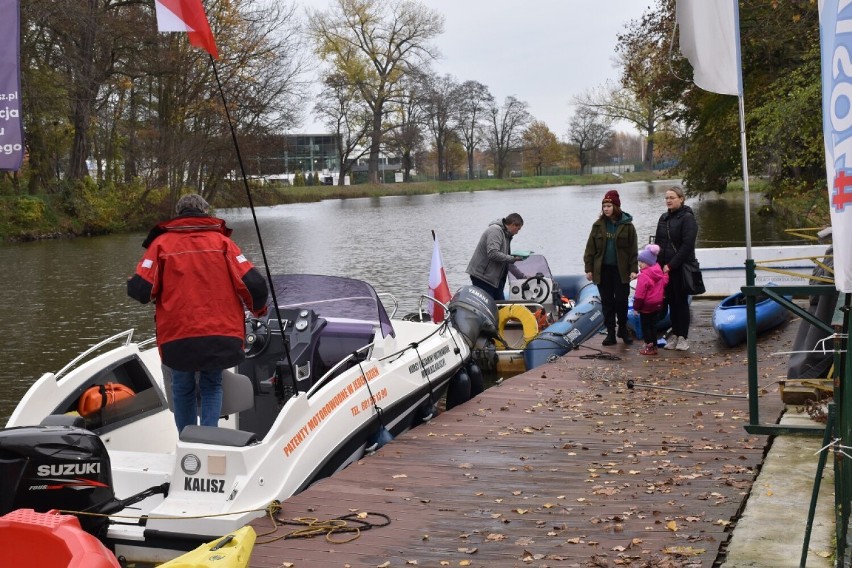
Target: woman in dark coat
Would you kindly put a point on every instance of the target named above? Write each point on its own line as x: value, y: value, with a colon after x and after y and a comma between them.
x: 676, y: 235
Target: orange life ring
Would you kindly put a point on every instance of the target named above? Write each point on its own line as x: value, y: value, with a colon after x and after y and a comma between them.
x: 519, y: 313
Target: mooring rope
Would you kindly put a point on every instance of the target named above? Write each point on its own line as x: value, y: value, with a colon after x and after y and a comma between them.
x: 352, y: 524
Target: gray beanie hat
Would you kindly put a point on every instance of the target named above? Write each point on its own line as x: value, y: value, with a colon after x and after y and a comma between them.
x: 192, y: 201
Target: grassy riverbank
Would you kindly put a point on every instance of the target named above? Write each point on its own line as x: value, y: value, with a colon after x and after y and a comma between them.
x: 89, y: 210
x: 271, y: 196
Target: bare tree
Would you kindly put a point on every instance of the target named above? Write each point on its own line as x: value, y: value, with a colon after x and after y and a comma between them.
x: 619, y: 103
x: 646, y: 96
x: 144, y: 105
x: 439, y: 98
x: 505, y: 125
x: 589, y: 131
x: 475, y: 100
x: 345, y: 115
x: 405, y: 119
x: 374, y: 44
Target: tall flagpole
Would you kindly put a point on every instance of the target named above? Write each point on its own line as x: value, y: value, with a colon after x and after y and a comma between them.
x: 279, y: 384
x: 746, y: 194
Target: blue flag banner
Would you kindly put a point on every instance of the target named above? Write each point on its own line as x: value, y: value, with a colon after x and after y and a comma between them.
x: 835, y: 22
x: 11, y: 126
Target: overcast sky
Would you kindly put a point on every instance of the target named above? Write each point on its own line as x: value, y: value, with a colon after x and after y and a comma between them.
x: 540, y: 51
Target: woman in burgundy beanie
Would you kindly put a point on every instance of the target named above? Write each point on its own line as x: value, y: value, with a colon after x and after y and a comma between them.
x: 611, y: 263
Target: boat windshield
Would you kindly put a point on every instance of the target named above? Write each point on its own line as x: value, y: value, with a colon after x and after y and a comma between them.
x: 531, y: 266
x: 332, y: 297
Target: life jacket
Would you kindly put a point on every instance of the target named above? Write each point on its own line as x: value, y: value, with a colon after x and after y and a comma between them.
x: 99, y: 396
x: 541, y: 318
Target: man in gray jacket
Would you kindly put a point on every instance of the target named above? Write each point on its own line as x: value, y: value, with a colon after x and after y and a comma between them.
x: 493, y: 257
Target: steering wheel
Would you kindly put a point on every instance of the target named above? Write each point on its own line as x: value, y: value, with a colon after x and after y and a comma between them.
x: 257, y: 336
x: 535, y: 289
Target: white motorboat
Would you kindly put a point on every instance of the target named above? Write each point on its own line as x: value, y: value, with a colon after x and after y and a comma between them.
x: 724, y: 268
x: 315, y: 392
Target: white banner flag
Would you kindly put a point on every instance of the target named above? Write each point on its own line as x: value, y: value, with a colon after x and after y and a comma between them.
x: 835, y: 22
x: 710, y: 40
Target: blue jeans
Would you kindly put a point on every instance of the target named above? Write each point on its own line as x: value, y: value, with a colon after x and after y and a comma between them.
x: 496, y: 293
x: 186, y: 399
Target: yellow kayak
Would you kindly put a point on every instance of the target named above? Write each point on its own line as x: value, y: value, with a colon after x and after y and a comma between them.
x: 231, y: 551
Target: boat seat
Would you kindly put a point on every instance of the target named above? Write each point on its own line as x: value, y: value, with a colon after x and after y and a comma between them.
x: 237, y: 391
x: 217, y: 436
x: 74, y: 420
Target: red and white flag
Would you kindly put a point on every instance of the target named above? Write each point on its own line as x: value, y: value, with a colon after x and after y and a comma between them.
x: 438, y: 287
x: 186, y: 16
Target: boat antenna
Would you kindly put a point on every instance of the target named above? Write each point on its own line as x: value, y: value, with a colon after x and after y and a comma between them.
x: 279, y: 385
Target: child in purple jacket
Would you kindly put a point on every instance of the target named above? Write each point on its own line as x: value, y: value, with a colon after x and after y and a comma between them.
x: 648, y: 299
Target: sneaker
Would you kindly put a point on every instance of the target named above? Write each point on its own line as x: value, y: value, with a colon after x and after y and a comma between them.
x: 649, y: 349
x: 609, y: 339
x: 682, y: 344
x: 671, y: 342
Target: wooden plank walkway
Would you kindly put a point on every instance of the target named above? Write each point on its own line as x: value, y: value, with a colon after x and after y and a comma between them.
x: 561, y: 466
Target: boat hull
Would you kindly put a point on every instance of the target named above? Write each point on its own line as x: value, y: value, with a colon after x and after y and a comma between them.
x: 729, y: 318
x: 30, y: 539
x: 230, y: 551
x: 307, y: 407
x: 723, y: 268
x: 584, y: 320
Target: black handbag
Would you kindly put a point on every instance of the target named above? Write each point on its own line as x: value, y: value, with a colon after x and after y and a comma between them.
x: 693, y: 281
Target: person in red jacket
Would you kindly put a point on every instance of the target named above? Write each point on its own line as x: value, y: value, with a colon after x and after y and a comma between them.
x: 201, y: 285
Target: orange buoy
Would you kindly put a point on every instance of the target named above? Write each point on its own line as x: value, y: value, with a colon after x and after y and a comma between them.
x: 49, y: 540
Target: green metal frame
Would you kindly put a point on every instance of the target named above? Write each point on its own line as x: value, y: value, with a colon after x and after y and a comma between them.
x: 776, y: 293
x: 843, y: 429
x: 841, y: 412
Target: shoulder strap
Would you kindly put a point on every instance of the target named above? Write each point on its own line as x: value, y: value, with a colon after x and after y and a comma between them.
x: 669, y: 235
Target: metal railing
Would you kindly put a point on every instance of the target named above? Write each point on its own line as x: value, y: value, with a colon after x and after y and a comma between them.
x: 839, y: 426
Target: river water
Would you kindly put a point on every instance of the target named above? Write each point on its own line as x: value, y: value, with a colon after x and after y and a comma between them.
x: 63, y: 296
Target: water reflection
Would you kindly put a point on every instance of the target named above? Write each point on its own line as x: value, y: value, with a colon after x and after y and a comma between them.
x: 65, y: 295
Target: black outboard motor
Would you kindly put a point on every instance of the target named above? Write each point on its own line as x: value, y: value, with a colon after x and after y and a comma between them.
x: 57, y: 467
x: 474, y: 313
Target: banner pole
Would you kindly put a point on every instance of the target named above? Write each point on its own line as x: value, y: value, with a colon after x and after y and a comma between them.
x: 749, y: 264
x: 746, y: 196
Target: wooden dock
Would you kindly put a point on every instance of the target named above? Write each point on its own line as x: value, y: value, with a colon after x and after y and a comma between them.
x: 561, y: 466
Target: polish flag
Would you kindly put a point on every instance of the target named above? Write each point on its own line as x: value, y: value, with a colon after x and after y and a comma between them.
x: 438, y: 287
x: 186, y: 16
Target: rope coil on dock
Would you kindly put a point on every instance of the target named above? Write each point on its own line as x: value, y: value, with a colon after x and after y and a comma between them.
x: 310, y: 527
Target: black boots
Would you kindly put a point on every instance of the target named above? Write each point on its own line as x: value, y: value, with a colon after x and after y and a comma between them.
x: 624, y: 334
x: 610, y: 337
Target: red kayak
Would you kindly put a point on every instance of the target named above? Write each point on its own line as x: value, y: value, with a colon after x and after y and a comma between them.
x: 50, y: 540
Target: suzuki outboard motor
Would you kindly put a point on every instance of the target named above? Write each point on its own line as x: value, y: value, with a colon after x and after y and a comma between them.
x: 57, y: 467
x: 473, y: 312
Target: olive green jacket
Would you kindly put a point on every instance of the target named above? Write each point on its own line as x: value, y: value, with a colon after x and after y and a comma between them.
x: 626, y: 248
